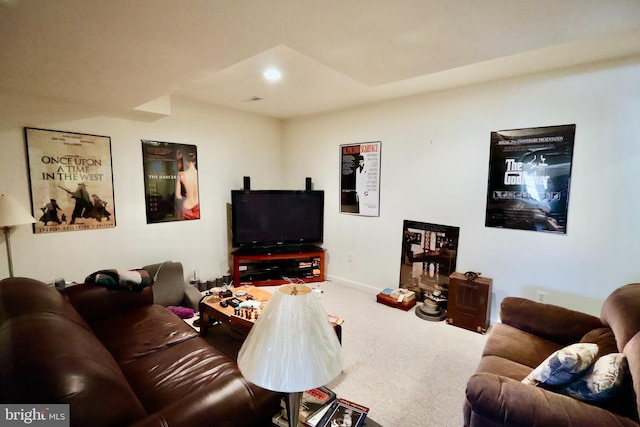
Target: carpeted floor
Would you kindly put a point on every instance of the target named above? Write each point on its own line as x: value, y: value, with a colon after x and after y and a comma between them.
x: 410, y: 372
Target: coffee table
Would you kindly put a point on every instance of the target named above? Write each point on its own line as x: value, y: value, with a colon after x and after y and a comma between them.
x: 210, y: 308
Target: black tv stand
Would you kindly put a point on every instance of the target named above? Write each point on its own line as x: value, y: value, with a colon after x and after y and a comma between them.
x: 265, y: 266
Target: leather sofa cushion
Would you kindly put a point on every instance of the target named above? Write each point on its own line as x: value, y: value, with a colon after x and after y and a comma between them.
x: 95, y: 302
x: 189, y: 367
x: 141, y: 332
x: 33, y: 296
x: 189, y: 381
x: 76, y: 369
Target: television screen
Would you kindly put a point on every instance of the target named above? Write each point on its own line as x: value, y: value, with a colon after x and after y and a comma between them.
x: 276, y: 217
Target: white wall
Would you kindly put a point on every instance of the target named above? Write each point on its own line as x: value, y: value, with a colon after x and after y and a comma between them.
x: 435, y: 150
x: 230, y: 145
x: 435, y: 156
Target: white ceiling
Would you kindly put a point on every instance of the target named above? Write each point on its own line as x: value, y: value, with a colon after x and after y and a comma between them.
x: 119, y: 54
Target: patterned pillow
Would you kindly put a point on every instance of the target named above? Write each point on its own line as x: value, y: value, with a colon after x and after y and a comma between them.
x: 564, y: 365
x: 601, y: 381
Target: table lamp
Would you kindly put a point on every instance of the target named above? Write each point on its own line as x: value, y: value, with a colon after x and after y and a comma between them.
x: 12, y: 214
x: 292, y: 347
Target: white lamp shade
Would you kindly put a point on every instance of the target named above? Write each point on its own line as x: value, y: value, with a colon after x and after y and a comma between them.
x: 12, y: 213
x: 292, y: 347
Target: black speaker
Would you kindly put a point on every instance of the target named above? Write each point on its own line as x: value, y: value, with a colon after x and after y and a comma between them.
x: 247, y: 182
x: 307, y: 185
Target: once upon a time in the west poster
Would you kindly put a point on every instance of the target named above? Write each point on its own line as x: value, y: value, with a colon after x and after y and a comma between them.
x: 529, y: 178
x: 71, y: 181
x: 360, y: 178
x: 170, y: 181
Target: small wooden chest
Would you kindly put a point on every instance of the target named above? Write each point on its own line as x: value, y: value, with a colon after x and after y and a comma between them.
x: 469, y: 303
x: 393, y: 302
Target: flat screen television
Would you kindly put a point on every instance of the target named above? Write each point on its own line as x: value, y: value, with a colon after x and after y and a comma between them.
x: 267, y: 218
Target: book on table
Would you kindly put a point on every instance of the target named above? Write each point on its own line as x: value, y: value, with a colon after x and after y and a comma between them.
x: 281, y: 420
x: 312, y: 402
x: 342, y: 409
x: 314, y: 420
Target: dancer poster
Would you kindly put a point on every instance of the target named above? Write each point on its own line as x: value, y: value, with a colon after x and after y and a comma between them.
x: 71, y: 180
x: 170, y: 181
x: 360, y: 178
x: 529, y: 178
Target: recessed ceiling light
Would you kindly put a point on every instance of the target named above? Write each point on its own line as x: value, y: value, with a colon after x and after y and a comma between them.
x: 272, y: 74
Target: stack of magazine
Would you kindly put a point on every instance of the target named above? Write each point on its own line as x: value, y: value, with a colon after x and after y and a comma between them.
x: 320, y: 407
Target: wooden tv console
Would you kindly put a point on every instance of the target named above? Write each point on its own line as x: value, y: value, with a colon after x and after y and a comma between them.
x: 266, y: 267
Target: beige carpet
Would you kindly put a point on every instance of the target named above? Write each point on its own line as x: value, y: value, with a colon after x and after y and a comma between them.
x: 410, y: 372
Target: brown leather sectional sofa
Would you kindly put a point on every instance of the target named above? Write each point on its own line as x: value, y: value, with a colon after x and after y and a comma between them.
x: 531, y: 331
x: 118, y: 360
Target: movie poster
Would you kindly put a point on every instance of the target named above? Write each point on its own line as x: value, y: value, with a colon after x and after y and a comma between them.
x: 429, y: 253
x: 170, y: 181
x: 360, y: 178
x: 71, y: 181
x: 529, y: 178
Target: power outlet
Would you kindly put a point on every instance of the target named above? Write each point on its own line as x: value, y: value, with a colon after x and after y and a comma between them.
x: 349, y: 258
x: 542, y: 296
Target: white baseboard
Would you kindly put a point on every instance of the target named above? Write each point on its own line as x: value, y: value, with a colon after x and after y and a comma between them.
x: 361, y: 286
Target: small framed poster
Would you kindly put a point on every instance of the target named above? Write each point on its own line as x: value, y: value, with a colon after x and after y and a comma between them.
x: 71, y: 180
x: 360, y: 178
x: 170, y: 181
x: 429, y: 253
x: 529, y: 178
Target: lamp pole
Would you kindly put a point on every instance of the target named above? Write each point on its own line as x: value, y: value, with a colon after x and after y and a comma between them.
x: 12, y: 214
x: 7, y: 241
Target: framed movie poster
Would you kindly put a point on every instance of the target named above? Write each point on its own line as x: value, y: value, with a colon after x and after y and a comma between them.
x: 360, y: 178
x: 529, y: 178
x: 71, y: 180
x: 170, y: 181
x: 429, y: 253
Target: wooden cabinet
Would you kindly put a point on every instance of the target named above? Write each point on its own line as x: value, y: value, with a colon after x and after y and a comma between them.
x: 260, y: 267
x: 469, y: 303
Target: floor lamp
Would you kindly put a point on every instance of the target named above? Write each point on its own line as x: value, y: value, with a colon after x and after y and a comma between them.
x: 292, y: 347
x: 12, y: 214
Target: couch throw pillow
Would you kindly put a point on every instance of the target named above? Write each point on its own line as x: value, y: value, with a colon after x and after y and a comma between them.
x: 564, y: 365
x: 128, y: 280
x: 601, y: 381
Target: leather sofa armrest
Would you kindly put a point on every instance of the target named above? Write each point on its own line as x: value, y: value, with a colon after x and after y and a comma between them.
x: 497, y: 400
x: 552, y: 322
x: 96, y: 302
